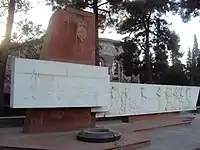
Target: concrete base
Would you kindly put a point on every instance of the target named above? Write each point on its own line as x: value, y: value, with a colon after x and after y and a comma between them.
x: 130, y: 119
x: 67, y: 141
x: 58, y: 120
x: 154, y: 123
x: 15, y: 139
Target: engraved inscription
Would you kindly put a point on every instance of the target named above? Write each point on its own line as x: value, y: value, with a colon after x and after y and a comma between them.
x: 168, y: 97
x: 188, y: 97
x: 126, y: 103
x: 143, y: 96
x: 159, y: 97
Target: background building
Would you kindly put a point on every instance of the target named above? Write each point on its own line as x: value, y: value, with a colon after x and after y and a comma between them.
x: 108, y: 50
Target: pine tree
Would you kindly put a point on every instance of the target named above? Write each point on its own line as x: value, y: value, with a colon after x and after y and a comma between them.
x: 139, y: 19
x: 174, y: 48
x: 189, y: 65
x: 160, y: 64
x: 130, y: 58
x: 189, y: 9
x: 189, y: 58
x: 195, y: 52
x: 193, y: 63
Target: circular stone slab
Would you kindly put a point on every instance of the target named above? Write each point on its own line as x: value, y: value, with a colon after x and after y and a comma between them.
x: 98, y: 135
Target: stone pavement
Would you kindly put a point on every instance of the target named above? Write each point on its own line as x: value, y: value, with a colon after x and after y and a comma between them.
x: 186, y: 137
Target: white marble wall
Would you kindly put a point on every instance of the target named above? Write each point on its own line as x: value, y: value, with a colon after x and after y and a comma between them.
x: 134, y: 99
x: 48, y: 84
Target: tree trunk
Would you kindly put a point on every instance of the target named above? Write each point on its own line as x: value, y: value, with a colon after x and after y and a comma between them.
x: 148, y: 59
x: 147, y: 52
x: 4, y: 50
x: 95, y: 10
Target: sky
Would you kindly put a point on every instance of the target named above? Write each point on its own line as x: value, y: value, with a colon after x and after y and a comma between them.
x: 41, y: 14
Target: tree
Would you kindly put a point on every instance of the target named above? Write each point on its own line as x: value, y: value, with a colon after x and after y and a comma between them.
x: 4, y: 47
x: 160, y: 63
x: 27, y: 31
x: 140, y: 20
x: 189, y: 9
x: 12, y: 7
x: 130, y: 58
x: 175, y: 75
x: 189, y: 65
x: 193, y: 64
x: 195, y: 52
x: 174, y: 48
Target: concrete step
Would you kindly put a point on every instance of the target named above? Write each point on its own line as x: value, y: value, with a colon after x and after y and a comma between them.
x: 150, y: 124
x: 16, y: 121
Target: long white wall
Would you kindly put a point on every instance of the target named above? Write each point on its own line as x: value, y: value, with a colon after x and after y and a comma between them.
x: 50, y: 84
x: 134, y: 99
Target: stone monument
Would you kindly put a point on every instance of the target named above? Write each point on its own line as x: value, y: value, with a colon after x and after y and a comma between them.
x: 70, y: 37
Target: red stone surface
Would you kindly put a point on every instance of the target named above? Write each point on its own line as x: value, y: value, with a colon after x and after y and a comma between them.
x: 153, y: 123
x: 14, y: 139
x: 70, y: 38
x: 130, y: 119
x: 57, y: 120
x: 67, y: 141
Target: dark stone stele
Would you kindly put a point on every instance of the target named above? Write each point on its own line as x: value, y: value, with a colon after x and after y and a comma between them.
x: 98, y: 135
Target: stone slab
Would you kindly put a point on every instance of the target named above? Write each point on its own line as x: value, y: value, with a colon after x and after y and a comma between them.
x: 51, y: 84
x: 128, y: 99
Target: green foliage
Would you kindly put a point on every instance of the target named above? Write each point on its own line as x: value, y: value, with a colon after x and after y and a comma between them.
x: 193, y: 64
x: 21, y: 6
x: 102, y: 8
x: 189, y: 9
x: 175, y: 75
x: 130, y: 58
x: 144, y: 23
x: 79, y: 4
x: 174, y: 47
x: 27, y: 30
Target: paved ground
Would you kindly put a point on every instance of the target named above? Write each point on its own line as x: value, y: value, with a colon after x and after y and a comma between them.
x: 186, y: 137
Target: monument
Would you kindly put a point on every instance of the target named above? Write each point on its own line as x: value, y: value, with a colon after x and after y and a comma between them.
x: 64, y: 91
x: 70, y: 37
